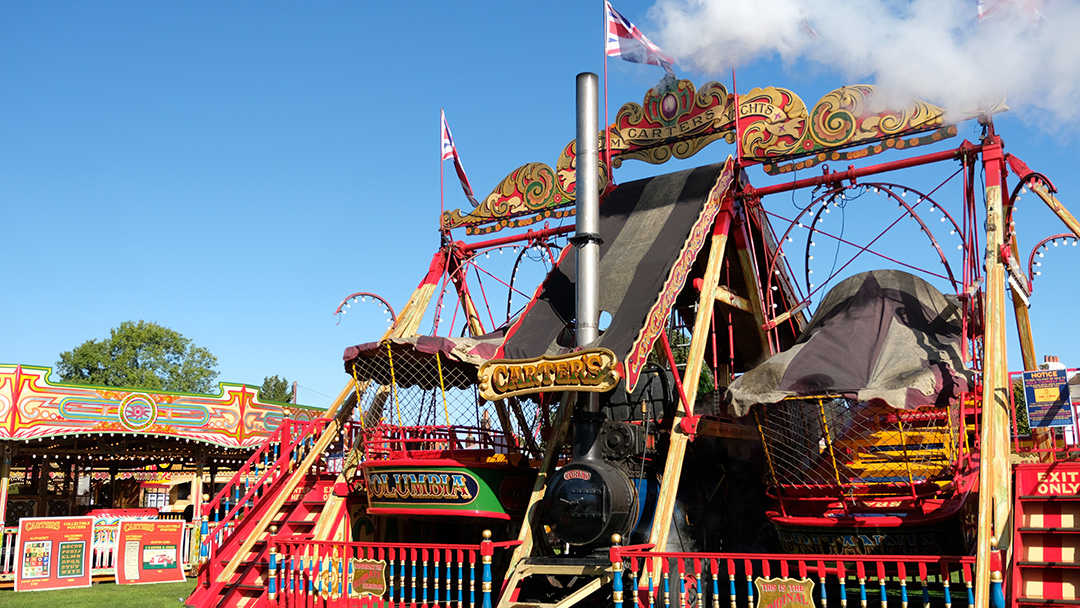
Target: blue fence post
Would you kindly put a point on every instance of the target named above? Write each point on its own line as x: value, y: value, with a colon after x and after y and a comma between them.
x: 486, y: 551
x: 204, y: 530
x: 273, y: 566
x: 615, y: 554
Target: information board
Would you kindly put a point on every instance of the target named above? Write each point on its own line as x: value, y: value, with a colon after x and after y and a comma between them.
x: 148, y: 551
x: 53, y: 553
x: 1047, y: 395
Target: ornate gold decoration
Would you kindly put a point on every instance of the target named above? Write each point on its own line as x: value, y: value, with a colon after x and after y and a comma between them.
x: 845, y: 117
x: 896, y: 143
x: 676, y: 120
x: 772, y: 122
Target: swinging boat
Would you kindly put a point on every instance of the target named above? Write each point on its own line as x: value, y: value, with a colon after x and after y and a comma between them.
x: 709, y: 424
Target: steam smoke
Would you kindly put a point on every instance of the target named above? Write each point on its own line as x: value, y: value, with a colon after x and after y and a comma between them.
x: 934, y: 50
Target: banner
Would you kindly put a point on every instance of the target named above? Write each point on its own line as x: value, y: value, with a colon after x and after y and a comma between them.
x: 53, y: 553
x: 149, y: 552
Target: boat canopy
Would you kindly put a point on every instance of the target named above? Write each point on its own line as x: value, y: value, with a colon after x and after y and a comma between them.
x: 882, y: 336
x: 459, y: 360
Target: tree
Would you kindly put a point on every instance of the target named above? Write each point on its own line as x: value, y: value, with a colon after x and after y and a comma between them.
x: 141, y: 355
x: 275, y: 389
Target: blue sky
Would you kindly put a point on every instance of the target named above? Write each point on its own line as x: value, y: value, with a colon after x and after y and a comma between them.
x: 232, y: 170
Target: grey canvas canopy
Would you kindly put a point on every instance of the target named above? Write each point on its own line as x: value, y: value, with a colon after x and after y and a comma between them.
x: 884, y: 336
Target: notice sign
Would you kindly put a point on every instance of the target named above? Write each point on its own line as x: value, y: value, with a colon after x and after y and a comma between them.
x: 149, y: 551
x: 1047, y: 395
x: 53, y: 553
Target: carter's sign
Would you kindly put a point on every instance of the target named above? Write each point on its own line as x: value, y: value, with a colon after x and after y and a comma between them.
x: 588, y: 370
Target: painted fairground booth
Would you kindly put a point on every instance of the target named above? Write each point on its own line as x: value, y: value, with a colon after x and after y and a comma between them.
x: 691, y: 389
x: 113, y: 454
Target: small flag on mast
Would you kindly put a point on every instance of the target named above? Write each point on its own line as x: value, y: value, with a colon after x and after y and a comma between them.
x: 449, y: 150
x: 625, y: 40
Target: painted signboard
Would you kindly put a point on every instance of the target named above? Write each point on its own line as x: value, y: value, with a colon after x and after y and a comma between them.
x: 149, y: 552
x: 784, y: 593
x: 1058, y: 479
x: 53, y: 553
x: 1047, y: 395
x: 447, y: 490
x: 588, y: 370
x: 368, y: 577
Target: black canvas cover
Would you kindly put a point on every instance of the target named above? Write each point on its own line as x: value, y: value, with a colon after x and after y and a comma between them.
x: 885, y: 336
x: 652, y: 231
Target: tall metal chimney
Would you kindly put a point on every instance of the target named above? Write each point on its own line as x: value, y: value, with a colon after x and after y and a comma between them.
x: 587, y: 229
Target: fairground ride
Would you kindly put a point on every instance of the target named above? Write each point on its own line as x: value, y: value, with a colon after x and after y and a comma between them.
x: 658, y: 418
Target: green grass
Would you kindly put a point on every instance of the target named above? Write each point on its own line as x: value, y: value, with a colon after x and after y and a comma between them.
x: 162, y: 595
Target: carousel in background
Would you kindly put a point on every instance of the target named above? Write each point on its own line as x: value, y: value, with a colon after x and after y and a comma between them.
x: 113, y: 453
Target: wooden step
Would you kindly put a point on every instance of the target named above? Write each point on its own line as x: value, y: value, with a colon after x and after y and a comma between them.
x: 1050, y: 583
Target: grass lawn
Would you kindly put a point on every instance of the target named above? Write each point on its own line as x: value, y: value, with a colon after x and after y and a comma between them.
x: 162, y: 595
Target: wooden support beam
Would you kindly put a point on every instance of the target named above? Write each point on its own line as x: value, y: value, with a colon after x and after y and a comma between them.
x: 995, y: 496
x: 785, y: 316
x: 753, y: 287
x: 665, y: 504
x: 1055, y: 205
x: 726, y: 296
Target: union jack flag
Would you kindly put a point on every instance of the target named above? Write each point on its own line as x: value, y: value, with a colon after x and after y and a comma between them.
x: 1028, y: 9
x: 626, y: 41
x: 449, y: 150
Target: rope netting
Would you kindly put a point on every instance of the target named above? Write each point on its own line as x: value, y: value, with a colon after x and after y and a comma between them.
x: 432, y: 405
x: 857, y: 447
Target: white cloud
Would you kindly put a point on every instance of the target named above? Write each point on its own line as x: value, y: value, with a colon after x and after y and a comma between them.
x: 934, y: 50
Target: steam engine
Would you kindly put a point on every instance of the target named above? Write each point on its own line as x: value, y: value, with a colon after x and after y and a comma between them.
x: 611, y: 484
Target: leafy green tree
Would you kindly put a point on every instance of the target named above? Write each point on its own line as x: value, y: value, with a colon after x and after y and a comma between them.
x: 275, y: 389
x: 1020, y: 403
x: 141, y: 355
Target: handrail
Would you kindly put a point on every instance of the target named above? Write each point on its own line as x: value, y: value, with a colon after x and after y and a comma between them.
x: 322, y: 573
x: 288, y: 447
x: 728, y: 578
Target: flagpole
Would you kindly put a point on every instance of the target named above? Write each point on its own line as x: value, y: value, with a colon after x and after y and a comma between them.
x: 442, y: 202
x: 607, y: 123
x: 738, y: 134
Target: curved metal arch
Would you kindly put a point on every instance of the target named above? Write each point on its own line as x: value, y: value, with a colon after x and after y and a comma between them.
x: 545, y: 247
x: 1019, y: 188
x: 362, y: 297
x: 1038, y: 249
x: 831, y: 195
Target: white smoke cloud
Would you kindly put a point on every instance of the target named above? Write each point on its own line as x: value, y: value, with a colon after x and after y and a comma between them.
x: 934, y: 50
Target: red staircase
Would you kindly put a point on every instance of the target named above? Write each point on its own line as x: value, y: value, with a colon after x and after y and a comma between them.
x: 277, y: 489
x: 1046, y: 540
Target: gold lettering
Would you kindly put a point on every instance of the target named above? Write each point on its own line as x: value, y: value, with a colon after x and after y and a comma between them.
x: 499, y: 379
x: 576, y: 367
